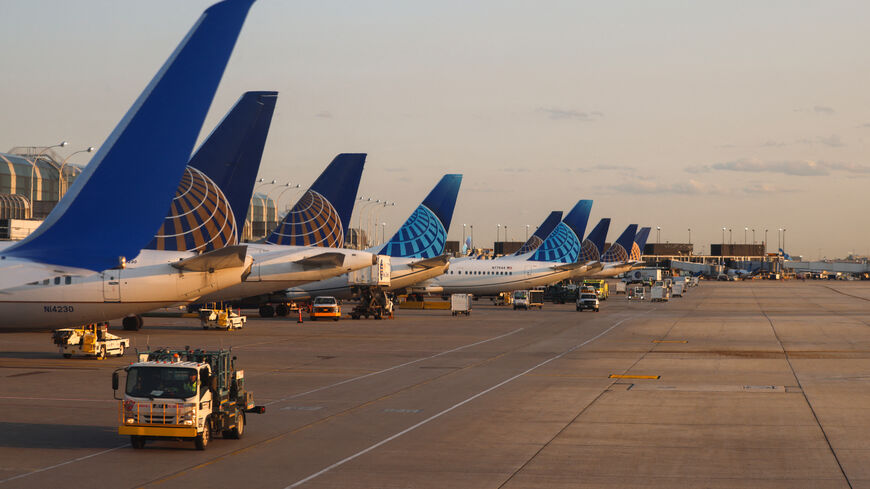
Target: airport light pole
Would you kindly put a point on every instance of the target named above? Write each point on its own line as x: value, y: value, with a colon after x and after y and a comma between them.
x: 60, y: 180
x: 765, y: 240
x: 285, y: 190
x: 33, y: 169
x: 783, y: 241
x: 778, y: 240
x: 505, y: 233
x: 745, y: 231
x: 472, y: 235
x: 383, y: 233
x: 463, y: 236
x: 690, y: 236
x: 527, y: 232
x: 658, y: 234
x: 723, y: 238
x: 730, y: 236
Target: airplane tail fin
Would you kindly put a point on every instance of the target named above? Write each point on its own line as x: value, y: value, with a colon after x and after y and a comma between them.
x: 784, y: 254
x: 322, y: 215
x: 639, y: 243
x: 541, y: 233
x: 619, y: 251
x: 119, y: 200
x: 212, y: 200
x: 594, y: 243
x: 424, y: 234
x: 563, y: 244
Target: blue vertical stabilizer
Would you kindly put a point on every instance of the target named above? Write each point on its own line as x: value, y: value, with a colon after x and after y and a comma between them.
x: 541, y: 233
x: 593, y: 245
x: 211, y: 203
x: 563, y: 244
x: 639, y: 243
x: 116, y: 204
x: 322, y: 215
x: 424, y: 234
x: 619, y: 251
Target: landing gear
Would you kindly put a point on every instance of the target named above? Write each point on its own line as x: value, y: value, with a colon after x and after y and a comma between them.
x: 132, y: 323
x: 282, y: 310
x: 267, y: 311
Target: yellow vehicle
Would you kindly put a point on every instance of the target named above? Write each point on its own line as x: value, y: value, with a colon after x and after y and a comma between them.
x: 221, y: 318
x: 93, y: 340
x: 601, y: 288
x: 326, y: 307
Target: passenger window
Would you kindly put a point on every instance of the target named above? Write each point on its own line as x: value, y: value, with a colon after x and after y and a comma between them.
x: 56, y: 280
x: 45, y: 282
x: 67, y: 280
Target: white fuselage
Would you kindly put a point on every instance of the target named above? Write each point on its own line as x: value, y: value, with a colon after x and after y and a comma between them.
x: 149, y: 282
x: 275, y: 268
x: 490, y: 277
x: 402, y: 275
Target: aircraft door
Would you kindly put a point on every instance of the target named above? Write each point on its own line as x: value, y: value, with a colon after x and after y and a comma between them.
x: 112, y: 286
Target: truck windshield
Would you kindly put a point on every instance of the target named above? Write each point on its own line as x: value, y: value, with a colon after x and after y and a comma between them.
x: 166, y: 382
x: 324, y: 301
x: 520, y: 295
x: 589, y: 296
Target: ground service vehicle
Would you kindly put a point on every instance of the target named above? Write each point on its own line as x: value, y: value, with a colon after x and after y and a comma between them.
x: 659, y: 293
x: 325, y: 307
x: 636, y: 293
x: 224, y: 318
x: 588, y: 301
x: 643, y: 275
x: 183, y: 395
x: 460, y: 304
x: 93, y: 340
x: 601, y: 288
x: 677, y: 289
x: 521, y: 299
x: 620, y: 287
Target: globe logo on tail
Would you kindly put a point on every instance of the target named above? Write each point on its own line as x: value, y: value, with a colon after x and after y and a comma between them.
x: 561, y: 246
x: 313, y: 221
x: 422, y: 236
x: 200, y: 218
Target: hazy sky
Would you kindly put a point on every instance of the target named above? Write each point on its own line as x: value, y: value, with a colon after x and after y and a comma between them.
x: 674, y: 114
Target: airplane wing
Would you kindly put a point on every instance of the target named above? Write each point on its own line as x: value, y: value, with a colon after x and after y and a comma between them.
x: 228, y: 257
x: 329, y: 259
x: 21, y: 272
x: 591, y: 266
x: 431, y: 262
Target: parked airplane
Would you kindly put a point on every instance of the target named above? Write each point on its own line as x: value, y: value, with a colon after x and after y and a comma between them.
x: 616, y: 259
x: 307, y: 245
x: 553, y: 261
x: 416, y: 251
x: 48, y: 279
x: 639, y: 244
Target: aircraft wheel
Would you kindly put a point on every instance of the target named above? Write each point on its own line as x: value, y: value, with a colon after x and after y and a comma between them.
x: 267, y: 311
x: 282, y: 310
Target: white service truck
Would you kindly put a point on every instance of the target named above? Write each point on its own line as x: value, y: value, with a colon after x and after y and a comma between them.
x: 460, y: 304
x: 183, y: 395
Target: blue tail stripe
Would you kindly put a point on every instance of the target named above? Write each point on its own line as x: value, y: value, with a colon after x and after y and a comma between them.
x: 424, y: 234
x: 231, y: 155
x: 578, y: 217
x: 93, y: 226
x: 642, y: 237
x: 442, y: 199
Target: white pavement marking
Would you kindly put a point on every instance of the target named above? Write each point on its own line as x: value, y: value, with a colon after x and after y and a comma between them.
x: 455, y: 406
x: 53, y: 399
x: 21, y: 476
x: 346, y: 381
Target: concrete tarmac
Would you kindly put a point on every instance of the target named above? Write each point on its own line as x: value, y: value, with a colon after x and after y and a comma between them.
x: 746, y: 384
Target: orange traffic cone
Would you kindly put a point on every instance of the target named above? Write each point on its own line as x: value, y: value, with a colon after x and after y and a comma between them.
x: 299, y: 321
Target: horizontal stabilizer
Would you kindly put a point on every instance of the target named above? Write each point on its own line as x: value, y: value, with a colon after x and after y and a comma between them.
x: 588, y: 266
x: 428, y: 263
x: 330, y: 259
x: 229, y: 257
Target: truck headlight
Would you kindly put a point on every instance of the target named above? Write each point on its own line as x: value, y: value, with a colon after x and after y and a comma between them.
x: 188, y: 422
x: 130, y: 420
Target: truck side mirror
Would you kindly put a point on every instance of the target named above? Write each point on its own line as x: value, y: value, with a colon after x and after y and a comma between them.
x: 213, y: 383
x: 114, y: 381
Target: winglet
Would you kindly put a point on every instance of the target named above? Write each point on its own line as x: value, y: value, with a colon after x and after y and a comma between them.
x: 424, y: 234
x: 541, y: 233
x: 119, y: 200
x: 322, y: 215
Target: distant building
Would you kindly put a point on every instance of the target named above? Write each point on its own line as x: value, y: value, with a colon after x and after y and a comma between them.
x: 668, y: 249
x: 30, y: 183
x: 737, y: 249
x: 507, y: 247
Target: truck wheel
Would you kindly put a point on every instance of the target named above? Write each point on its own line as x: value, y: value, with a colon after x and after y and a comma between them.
x: 313, y: 318
x: 102, y: 354
x: 239, y: 430
x: 335, y: 318
x: 121, y: 351
x: 138, y: 442
x: 282, y: 310
x: 202, y: 439
x: 267, y: 311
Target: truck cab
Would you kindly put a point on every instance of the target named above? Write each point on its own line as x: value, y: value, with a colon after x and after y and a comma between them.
x: 183, y: 395
x: 587, y: 300
x: 326, y: 307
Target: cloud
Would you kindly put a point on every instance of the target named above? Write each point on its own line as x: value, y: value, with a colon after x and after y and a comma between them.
x: 569, y: 114
x: 801, y: 168
x: 817, y: 110
x: 691, y: 187
x: 614, y: 167
x: 324, y: 114
x: 833, y: 141
x: 766, y: 188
